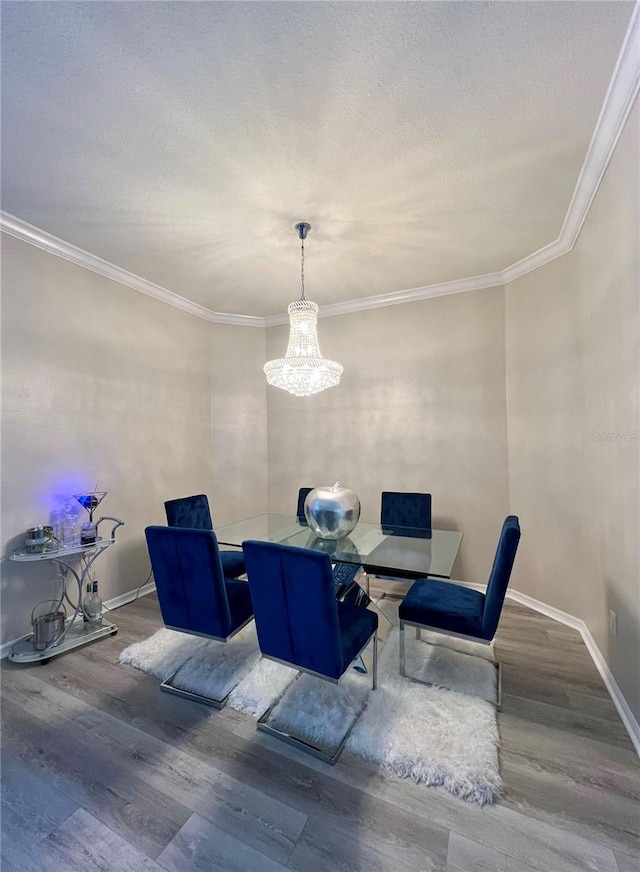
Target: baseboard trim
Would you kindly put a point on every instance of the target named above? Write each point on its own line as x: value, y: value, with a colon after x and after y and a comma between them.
x: 544, y: 609
x: 111, y: 604
x: 5, y: 649
x: 626, y: 715
x: 130, y: 596
x: 622, y: 707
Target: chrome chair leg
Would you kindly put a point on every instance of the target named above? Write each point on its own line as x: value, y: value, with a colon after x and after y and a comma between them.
x: 374, y: 680
x: 167, y: 687
x: 495, y: 662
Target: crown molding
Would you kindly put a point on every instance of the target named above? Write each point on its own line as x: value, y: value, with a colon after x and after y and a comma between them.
x: 52, y: 244
x: 441, y: 289
x: 458, y: 286
x: 534, y: 261
x: 618, y: 102
x: 621, y: 94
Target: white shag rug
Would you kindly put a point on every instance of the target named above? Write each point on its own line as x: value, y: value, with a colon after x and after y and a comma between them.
x: 442, y: 735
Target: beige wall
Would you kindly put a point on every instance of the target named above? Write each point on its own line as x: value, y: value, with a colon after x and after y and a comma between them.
x: 239, y: 424
x: 421, y: 406
x: 103, y: 385
x: 573, y: 375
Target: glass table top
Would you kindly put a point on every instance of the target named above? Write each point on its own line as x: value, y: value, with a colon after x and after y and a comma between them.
x: 383, y: 549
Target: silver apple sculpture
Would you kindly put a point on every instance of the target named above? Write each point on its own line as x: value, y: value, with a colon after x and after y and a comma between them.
x: 332, y: 512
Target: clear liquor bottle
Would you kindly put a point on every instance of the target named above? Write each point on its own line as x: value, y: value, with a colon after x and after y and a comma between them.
x: 70, y: 527
x: 86, y: 603
x: 93, y: 605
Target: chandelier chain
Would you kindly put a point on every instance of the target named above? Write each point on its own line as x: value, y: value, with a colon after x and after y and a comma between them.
x: 302, y: 297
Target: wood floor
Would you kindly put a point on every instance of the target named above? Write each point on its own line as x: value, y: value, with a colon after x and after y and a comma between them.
x: 100, y: 770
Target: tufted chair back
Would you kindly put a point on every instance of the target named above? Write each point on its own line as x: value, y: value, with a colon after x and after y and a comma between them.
x: 302, y: 495
x: 405, y: 510
x: 190, y: 512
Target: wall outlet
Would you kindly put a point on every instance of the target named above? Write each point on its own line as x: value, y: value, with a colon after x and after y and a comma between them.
x: 613, y: 622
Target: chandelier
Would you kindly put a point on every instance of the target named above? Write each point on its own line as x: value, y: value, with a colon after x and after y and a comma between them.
x: 303, y: 371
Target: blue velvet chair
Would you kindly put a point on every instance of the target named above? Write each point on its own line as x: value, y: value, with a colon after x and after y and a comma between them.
x: 454, y: 610
x: 194, y: 512
x: 302, y: 495
x: 300, y: 622
x: 194, y: 595
x: 405, y: 511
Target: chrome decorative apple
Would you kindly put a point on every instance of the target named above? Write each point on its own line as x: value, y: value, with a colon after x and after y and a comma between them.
x: 332, y: 512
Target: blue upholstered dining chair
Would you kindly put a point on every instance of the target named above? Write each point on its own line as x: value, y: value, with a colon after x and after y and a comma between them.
x: 405, y: 511
x: 194, y: 595
x: 194, y: 512
x: 454, y: 610
x: 300, y: 622
x: 302, y: 495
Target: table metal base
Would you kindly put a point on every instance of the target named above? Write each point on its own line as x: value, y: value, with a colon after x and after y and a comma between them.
x: 357, y: 595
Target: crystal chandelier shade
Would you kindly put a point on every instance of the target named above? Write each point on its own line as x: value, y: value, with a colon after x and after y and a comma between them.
x: 303, y: 371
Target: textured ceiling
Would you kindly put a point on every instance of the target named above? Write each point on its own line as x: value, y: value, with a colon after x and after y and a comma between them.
x: 425, y: 142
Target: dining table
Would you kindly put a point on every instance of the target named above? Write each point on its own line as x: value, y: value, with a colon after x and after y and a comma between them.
x: 391, y: 552
x: 409, y: 552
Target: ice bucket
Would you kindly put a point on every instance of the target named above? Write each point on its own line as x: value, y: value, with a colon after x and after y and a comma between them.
x: 48, y: 627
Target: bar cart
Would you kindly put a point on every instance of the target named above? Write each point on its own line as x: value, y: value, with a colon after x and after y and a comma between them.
x: 76, y: 632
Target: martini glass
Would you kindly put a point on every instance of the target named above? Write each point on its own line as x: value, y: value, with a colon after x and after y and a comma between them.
x: 89, y: 501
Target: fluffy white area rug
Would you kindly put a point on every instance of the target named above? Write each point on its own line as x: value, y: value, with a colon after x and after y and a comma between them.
x: 200, y: 665
x: 442, y: 735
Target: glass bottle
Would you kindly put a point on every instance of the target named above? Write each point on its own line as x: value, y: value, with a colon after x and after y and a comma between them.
x: 88, y: 533
x: 92, y: 604
x: 70, y: 527
x: 86, y: 603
